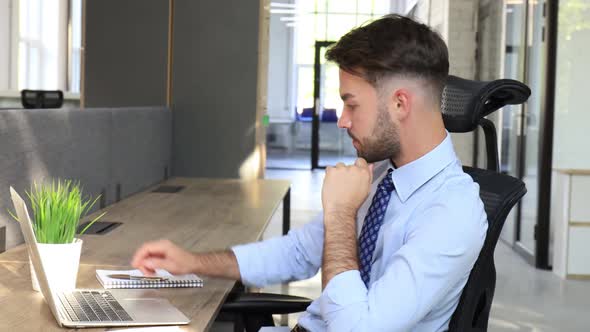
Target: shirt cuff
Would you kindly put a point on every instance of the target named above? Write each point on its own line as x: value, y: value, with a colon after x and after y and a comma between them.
x: 246, y: 264
x: 343, y: 300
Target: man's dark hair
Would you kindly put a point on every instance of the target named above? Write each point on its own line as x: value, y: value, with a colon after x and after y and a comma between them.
x: 393, y: 45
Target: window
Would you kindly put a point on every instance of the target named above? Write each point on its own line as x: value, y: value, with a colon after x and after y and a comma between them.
x: 327, y: 20
x: 44, y: 47
x: 75, y: 49
x: 32, y: 48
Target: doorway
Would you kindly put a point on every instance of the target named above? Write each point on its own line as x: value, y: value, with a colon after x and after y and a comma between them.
x: 329, y: 144
x: 522, y: 156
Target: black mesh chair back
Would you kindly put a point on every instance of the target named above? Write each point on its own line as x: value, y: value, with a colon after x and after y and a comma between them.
x: 42, y: 98
x: 465, y: 104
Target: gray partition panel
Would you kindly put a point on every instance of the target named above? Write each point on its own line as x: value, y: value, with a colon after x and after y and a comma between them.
x: 102, y: 148
x: 126, y: 53
x: 215, y: 72
x: 141, y: 148
x: 46, y: 144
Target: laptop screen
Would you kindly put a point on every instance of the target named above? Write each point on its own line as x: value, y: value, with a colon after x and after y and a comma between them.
x: 31, y: 242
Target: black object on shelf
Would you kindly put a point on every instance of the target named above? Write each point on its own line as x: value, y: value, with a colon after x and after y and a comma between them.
x: 42, y: 98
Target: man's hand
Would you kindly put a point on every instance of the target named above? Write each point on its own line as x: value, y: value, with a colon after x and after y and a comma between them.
x: 346, y: 187
x: 163, y: 254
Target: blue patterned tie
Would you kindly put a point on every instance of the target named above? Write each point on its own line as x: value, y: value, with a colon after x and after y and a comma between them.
x: 373, y: 222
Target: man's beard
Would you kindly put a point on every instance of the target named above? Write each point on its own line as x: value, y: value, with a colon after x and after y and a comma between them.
x: 384, y: 142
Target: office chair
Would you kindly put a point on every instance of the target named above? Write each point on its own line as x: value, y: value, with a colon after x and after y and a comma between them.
x: 465, y: 104
x: 305, y: 116
x: 329, y: 115
x: 41, y: 98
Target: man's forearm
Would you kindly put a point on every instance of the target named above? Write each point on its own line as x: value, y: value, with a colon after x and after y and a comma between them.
x: 340, y: 245
x: 219, y: 264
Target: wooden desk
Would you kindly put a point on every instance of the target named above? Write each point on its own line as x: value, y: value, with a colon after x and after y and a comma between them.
x: 207, y: 214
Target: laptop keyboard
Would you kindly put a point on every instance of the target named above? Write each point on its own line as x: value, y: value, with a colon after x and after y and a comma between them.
x: 93, y: 306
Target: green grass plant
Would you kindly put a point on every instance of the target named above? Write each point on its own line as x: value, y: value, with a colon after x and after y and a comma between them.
x: 57, y: 209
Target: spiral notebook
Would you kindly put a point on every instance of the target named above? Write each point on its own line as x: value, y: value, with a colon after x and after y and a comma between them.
x: 169, y: 280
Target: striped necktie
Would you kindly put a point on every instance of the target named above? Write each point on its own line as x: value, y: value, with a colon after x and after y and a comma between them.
x: 372, y: 224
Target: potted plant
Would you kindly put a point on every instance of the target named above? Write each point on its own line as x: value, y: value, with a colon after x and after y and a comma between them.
x: 57, y: 208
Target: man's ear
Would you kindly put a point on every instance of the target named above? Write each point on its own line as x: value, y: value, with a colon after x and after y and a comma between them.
x: 401, y: 103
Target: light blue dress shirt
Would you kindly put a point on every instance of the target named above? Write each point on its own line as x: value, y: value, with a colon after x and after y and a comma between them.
x: 432, y: 233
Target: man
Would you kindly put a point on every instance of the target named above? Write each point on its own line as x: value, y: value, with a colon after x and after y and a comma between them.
x: 401, y: 228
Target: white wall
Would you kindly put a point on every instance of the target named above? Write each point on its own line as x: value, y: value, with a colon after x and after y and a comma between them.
x: 462, y: 28
x: 5, y: 44
x: 489, y: 66
x: 491, y: 46
x: 572, y: 114
x: 434, y: 13
x: 456, y: 21
x: 402, y: 7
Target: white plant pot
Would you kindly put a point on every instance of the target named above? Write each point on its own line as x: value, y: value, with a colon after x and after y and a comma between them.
x: 60, y: 262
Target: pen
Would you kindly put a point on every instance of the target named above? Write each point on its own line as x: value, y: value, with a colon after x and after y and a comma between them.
x: 130, y: 277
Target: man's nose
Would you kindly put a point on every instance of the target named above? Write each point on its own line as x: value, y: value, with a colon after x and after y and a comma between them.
x: 344, y: 121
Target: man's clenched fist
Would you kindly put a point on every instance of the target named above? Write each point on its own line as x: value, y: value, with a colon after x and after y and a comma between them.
x: 346, y: 187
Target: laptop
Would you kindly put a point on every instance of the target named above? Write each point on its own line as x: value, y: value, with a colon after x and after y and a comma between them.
x: 95, y: 307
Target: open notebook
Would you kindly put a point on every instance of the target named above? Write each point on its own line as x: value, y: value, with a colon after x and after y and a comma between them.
x: 171, y: 281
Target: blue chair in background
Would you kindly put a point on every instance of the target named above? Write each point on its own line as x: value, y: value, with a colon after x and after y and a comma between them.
x: 329, y: 115
x: 305, y: 116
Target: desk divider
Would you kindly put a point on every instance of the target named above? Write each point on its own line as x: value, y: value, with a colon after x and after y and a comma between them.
x: 103, y: 148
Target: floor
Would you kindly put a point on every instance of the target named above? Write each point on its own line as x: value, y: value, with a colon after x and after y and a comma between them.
x: 526, y: 299
x: 301, y: 159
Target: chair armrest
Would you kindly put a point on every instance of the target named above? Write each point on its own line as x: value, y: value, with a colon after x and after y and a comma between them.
x: 265, y: 303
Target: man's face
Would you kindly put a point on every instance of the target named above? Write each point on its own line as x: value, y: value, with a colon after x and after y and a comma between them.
x: 366, y: 117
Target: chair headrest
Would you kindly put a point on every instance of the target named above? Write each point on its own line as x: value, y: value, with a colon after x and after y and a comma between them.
x: 465, y: 102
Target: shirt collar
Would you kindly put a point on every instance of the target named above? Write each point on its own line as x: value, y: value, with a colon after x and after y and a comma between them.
x: 410, y: 177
